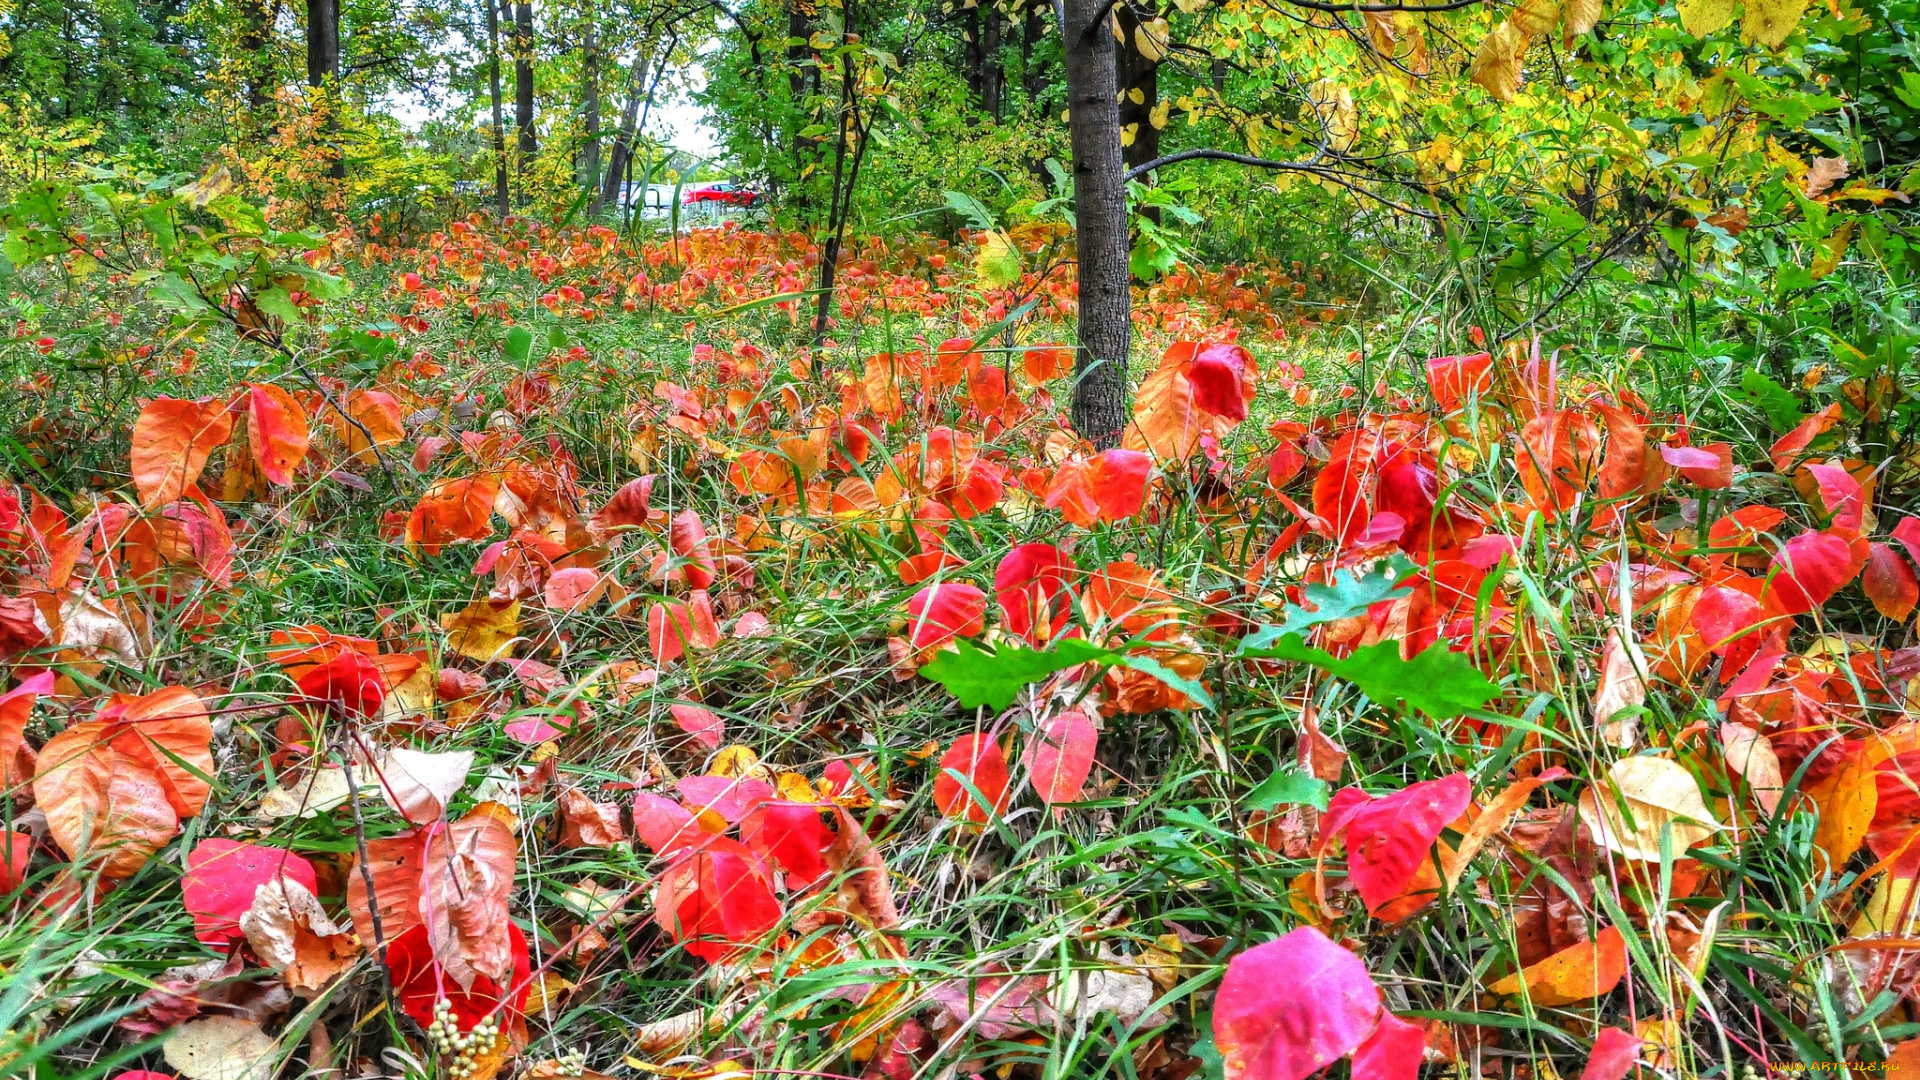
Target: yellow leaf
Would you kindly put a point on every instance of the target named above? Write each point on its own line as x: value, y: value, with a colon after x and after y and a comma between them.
x: 1769, y: 22
x: 1575, y: 973
x: 1704, y: 17
x: 1847, y: 799
x: 998, y: 263
x: 1535, y: 17
x: 1889, y: 911
x: 1150, y: 40
x: 1157, y: 116
x: 1832, y: 250
x: 483, y: 630
x: 1496, y: 66
x: 1576, y: 18
x: 1658, y: 794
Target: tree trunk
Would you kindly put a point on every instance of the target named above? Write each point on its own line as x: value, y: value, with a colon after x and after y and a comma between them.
x: 499, y: 119
x: 1033, y: 74
x: 256, y: 25
x: 799, y: 32
x: 975, y: 62
x: 590, y: 114
x: 523, y: 86
x: 617, y: 161
x: 993, y: 76
x: 1100, y: 211
x: 323, y: 68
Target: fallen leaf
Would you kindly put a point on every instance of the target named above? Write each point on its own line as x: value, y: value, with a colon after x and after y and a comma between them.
x: 1659, y: 794
x: 1576, y: 973
x: 222, y: 1048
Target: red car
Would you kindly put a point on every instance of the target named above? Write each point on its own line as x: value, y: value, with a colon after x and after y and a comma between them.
x: 721, y: 191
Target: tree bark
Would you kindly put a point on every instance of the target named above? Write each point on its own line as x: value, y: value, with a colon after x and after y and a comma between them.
x: 323, y: 68
x: 590, y: 114
x: 617, y: 160
x: 993, y: 75
x: 1100, y: 212
x: 1033, y: 74
x: 256, y: 24
x: 529, y: 144
x: 799, y: 33
x: 1139, y: 92
x: 499, y: 119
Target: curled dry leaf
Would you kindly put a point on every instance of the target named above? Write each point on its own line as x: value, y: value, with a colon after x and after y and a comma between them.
x: 419, y: 785
x: 1751, y: 756
x: 1658, y: 794
x: 291, y: 933
x: 585, y: 823
x: 222, y: 1048
x: 1622, y: 687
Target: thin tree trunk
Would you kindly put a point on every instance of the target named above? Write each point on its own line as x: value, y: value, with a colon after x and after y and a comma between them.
x: 975, y: 59
x: 1100, y: 211
x: 323, y: 69
x: 523, y: 86
x: 1033, y: 75
x: 256, y: 23
x: 590, y: 114
x: 993, y: 76
x: 617, y: 160
x: 499, y: 119
x: 800, y: 16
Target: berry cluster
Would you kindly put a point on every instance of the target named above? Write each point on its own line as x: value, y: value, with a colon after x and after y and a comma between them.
x: 572, y: 1063
x: 444, y: 1033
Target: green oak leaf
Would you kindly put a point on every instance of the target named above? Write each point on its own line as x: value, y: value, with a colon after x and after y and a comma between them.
x: 1350, y: 594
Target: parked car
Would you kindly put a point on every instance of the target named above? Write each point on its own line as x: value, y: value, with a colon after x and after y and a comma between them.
x: 723, y: 192
x: 654, y: 199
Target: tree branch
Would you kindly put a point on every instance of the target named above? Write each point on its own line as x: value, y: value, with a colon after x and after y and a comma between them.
x: 1311, y: 166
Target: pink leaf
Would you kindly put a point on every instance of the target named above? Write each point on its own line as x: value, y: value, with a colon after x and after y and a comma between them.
x: 1031, y: 586
x: 703, y: 724
x: 1218, y: 376
x: 1059, y: 756
x: 729, y: 797
x: 1845, y: 501
x: 1812, y: 567
x: 1291, y: 1007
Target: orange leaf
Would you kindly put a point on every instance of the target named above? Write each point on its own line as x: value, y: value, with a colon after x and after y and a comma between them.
x: 171, y: 441
x: 1575, y: 973
x: 277, y: 430
x: 454, y: 879
x: 1847, y: 799
x: 116, y: 787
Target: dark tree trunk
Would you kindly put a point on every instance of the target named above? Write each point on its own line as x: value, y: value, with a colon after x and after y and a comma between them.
x: 993, y: 76
x: 975, y: 59
x: 1033, y: 73
x: 799, y: 33
x: 499, y: 119
x: 1100, y: 210
x: 323, y: 68
x: 590, y: 114
x: 523, y: 84
x: 256, y: 25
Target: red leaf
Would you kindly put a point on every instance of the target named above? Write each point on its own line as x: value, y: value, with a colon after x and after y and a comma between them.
x: 715, y: 900
x: 1031, y: 586
x: 1390, y: 836
x: 221, y: 878
x: 1786, y: 449
x: 1060, y: 755
x: 978, y: 758
x: 1841, y: 492
x: 627, y: 509
x: 1908, y: 533
x: 791, y: 835
x: 419, y: 981
x: 939, y: 613
x: 350, y: 684
x: 688, y: 537
x: 1219, y: 378
x: 673, y: 627
x: 1722, y: 615
x: 1744, y: 526
x: 1453, y: 378
x: 1890, y: 583
x: 1392, y: 1052
x: 16, y: 708
x: 16, y: 852
x: 1614, y: 1055
x: 699, y: 722
x: 1809, y: 569
x: 277, y: 431
x: 1118, y: 479
x: 1291, y: 1007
